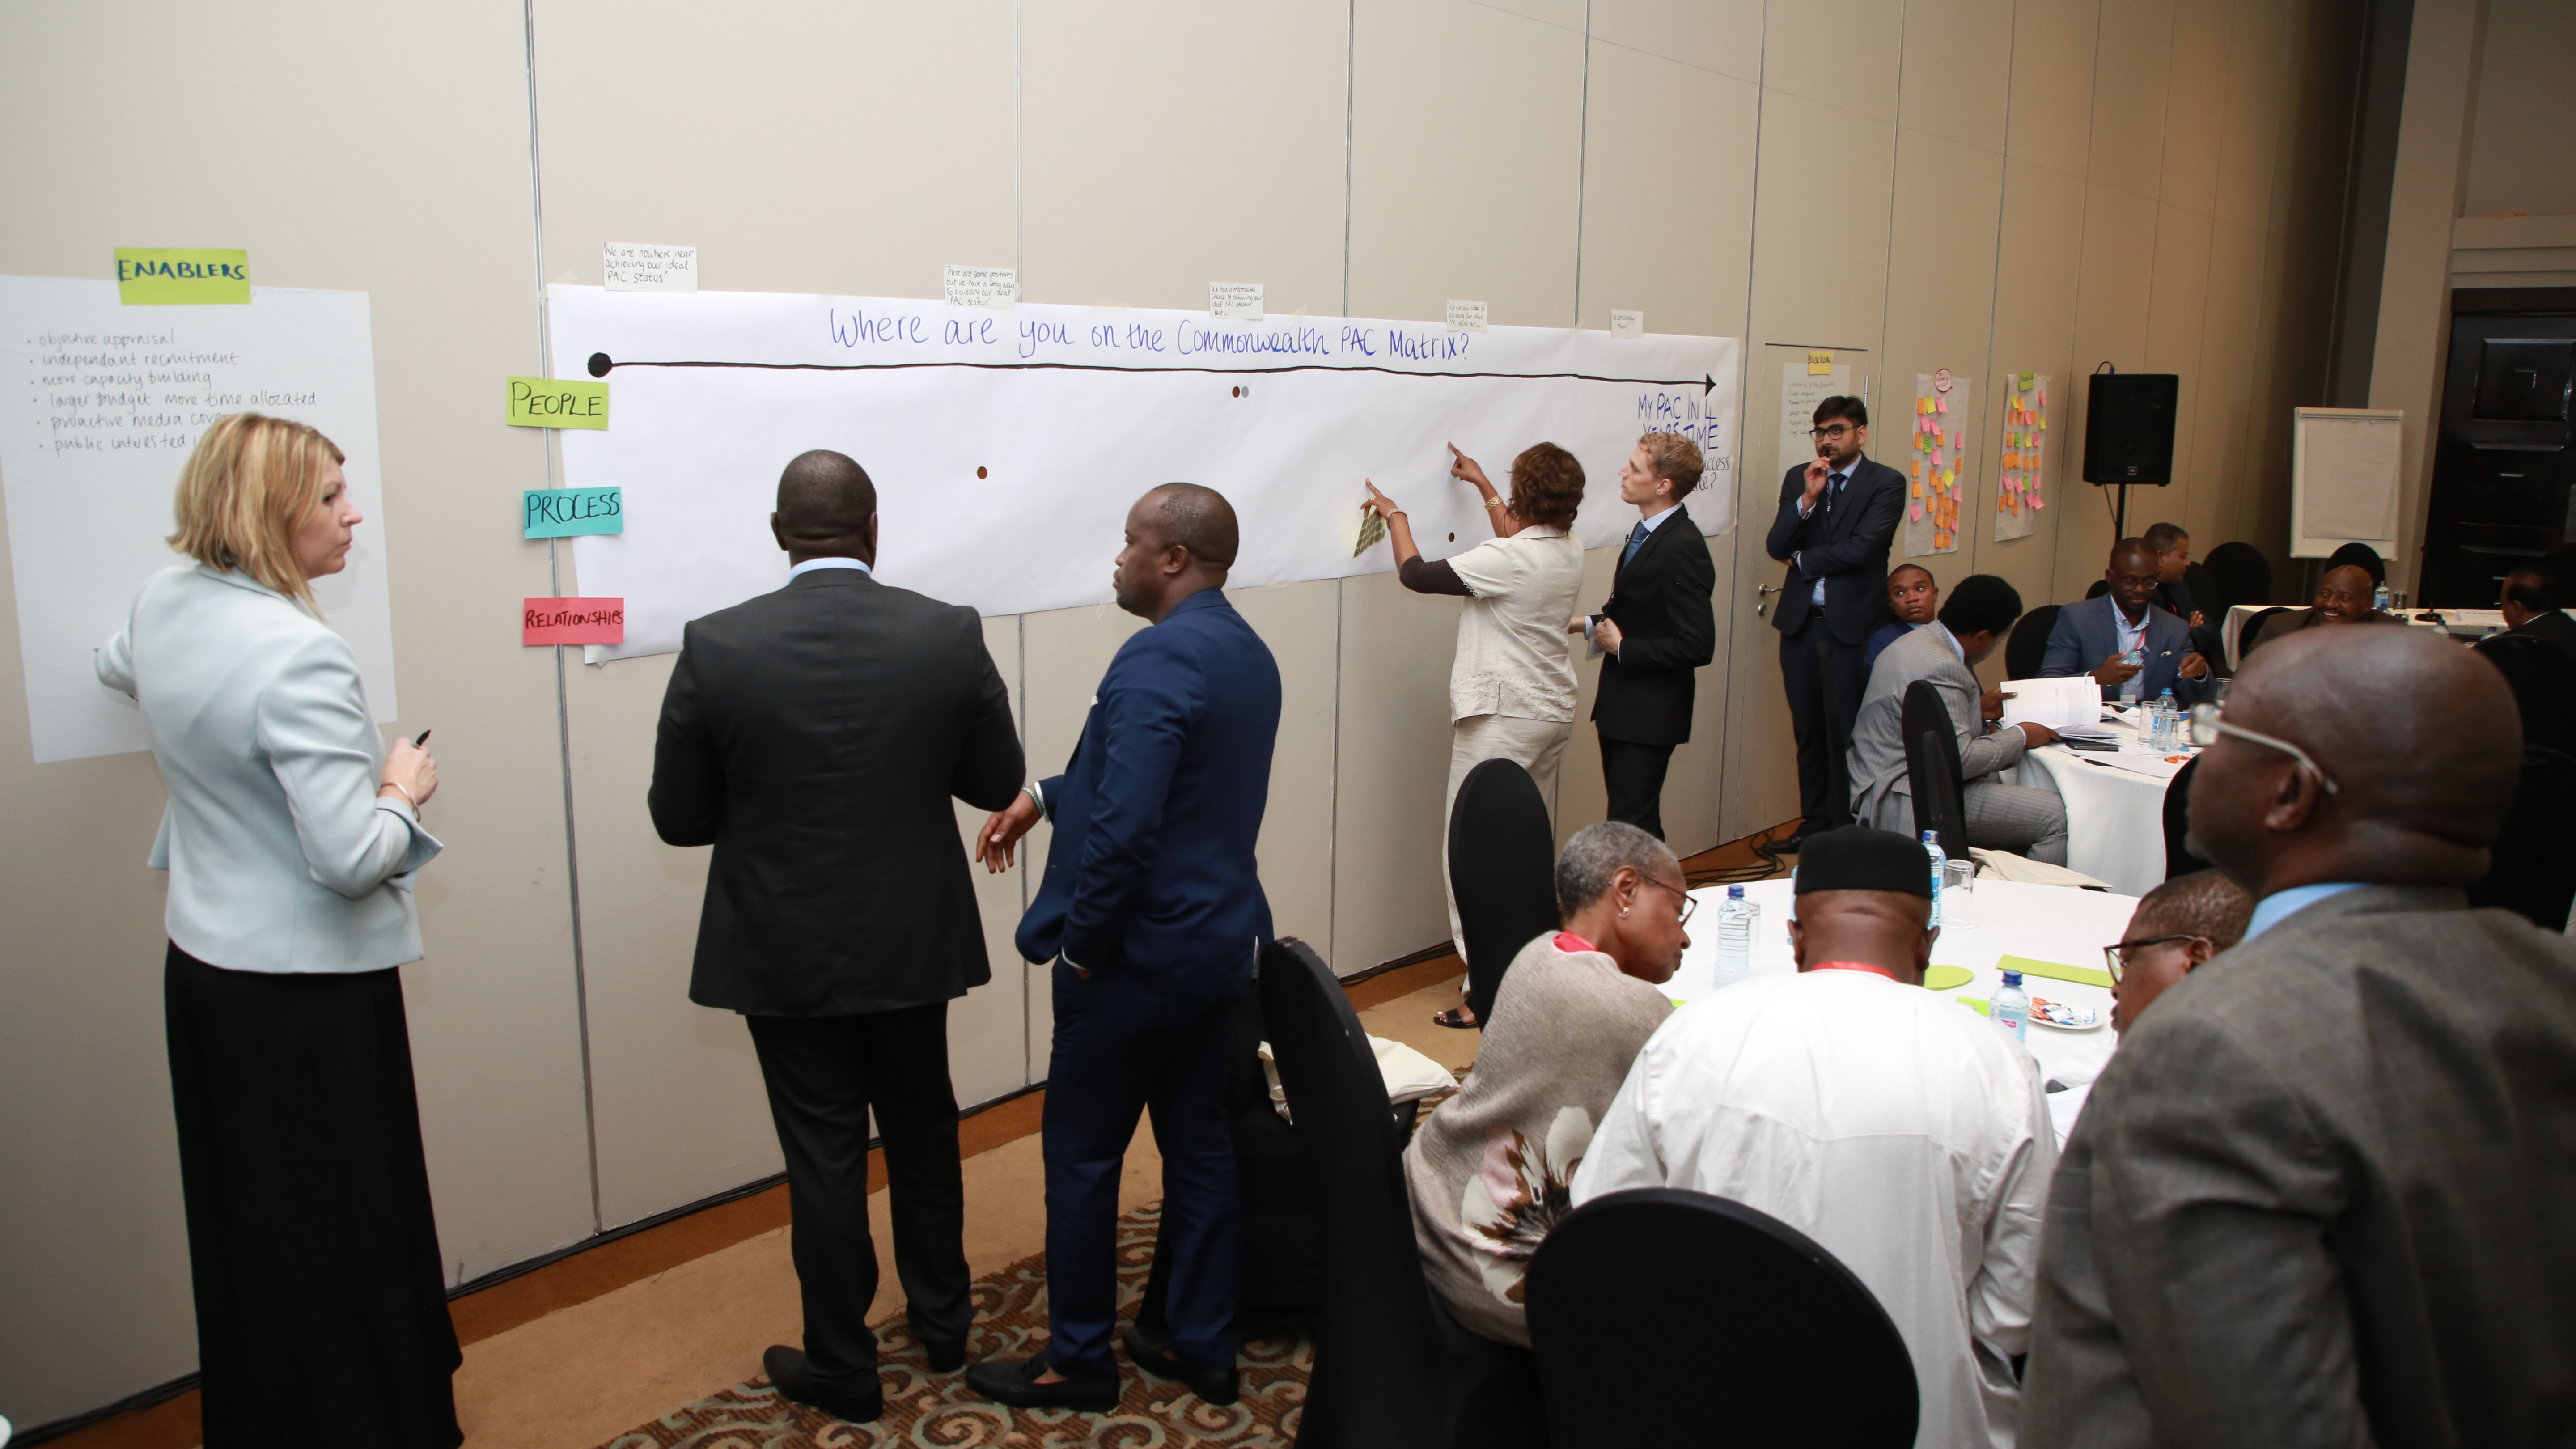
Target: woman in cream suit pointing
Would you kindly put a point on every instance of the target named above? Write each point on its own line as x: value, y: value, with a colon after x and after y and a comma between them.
x: 291, y: 839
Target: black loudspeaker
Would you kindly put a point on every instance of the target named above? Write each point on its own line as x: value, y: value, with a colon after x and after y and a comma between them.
x: 2129, y: 427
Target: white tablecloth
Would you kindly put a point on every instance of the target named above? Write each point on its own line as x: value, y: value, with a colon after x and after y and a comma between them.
x: 2115, y: 818
x: 2459, y: 623
x: 1997, y: 918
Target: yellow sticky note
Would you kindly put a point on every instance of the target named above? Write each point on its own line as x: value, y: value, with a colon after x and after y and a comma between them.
x: 545, y: 402
x: 2026, y: 380
x: 1820, y: 364
x: 182, y: 276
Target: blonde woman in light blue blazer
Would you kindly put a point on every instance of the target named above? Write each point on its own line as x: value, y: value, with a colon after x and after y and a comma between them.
x: 291, y: 838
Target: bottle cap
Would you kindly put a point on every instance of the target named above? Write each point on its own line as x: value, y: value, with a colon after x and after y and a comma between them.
x: 1735, y: 893
x: 2012, y: 978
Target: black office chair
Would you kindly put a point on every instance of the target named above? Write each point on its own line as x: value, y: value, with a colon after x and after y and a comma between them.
x: 2361, y: 555
x: 2099, y: 588
x: 1502, y: 870
x: 2252, y: 633
x: 2544, y: 687
x: 2026, y: 648
x: 1667, y: 1317
x: 1379, y: 1378
x: 2207, y: 594
x: 2244, y: 575
x: 1283, y: 1253
x: 1932, y: 768
x: 2178, y: 857
x: 2534, y: 874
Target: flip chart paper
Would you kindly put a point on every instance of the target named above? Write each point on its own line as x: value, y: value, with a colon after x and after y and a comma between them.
x: 645, y: 267
x: 99, y: 406
x: 573, y: 621
x: 1235, y: 301
x: 1071, y: 413
x: 572, y: 512
x: 1466, y: 316
x: 993, y: 288
x: 182, y: 276
x: 544, y: 402
x: 1627, y: 324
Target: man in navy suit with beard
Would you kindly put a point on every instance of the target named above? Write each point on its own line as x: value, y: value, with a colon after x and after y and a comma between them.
x: 1838, y: 514
x: 1152, y: 911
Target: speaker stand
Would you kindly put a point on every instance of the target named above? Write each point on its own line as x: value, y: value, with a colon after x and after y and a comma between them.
x: 2120, y: 514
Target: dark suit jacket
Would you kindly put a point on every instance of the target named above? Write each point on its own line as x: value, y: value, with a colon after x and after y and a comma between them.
x: 1667, y: 631
x: 2208, y: 638
x: 1156, y: 816
x: 2553, y: 626
x: 2320, y: 1197
x: 814, y: 736
x: 1846, y: 546
x: 2086, y: 634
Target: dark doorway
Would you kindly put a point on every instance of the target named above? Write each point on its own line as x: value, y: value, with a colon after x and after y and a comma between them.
x: 2502, y: 465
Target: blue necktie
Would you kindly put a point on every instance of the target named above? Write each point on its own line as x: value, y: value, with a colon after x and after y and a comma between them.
x: 1636, y: 537
x: 1833, y: 492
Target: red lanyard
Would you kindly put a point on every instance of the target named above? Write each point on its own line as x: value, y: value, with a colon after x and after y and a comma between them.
x: 1570, y: 943
x: 1852, y: 966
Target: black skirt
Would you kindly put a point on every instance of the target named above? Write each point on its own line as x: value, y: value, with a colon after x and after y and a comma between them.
x: 321, y: 1303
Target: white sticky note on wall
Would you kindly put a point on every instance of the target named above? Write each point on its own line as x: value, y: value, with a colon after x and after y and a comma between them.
x: 1239, y: 301
x: 646, y: 267
x: 1466, y: 316
x: 1627, y: 324
x: 994, y: 287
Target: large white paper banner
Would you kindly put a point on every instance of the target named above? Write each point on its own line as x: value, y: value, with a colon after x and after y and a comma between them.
x: 1007, y: 446
x: 99, y: 406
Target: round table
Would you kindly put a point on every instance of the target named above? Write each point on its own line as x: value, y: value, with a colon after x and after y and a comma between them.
x: 2469, y: 624
x: 1997, y: 918
x: 2115, y: 812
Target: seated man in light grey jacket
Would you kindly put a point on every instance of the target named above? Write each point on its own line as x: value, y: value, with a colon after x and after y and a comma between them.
x: 2023, y: 819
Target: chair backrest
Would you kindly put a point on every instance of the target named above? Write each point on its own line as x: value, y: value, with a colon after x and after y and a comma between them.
x: 1502, y: 872
x: 2544, y: 687
x: 2252, y: 632
x: 2207, y: 595
x: 1932, y: 768
x: 2098, y: 589
x: 1377, y: 1377
x: 1663, y: 1316
x: 2178, y: 857
x: 2533, y: 872
x: 2026, y: 648
x: 2363, y: 555
x: 2244, y: 576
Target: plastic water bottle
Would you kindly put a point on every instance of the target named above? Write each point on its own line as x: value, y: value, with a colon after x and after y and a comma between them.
x: 1736, y: 920
x: 2010, y: 1008
x: 2135, y: 684
x: 2167, y: 712
x: 1932, y: 847
x: 2379, y: 598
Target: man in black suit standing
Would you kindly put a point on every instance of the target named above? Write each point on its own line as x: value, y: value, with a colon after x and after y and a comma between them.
x: 1838, y: 514
x: 814, y: 736
x: 1657, y: 630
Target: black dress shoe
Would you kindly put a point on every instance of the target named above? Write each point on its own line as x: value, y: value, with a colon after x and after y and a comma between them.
x: 794, y: 1379
x: 1216, y: 1385
x: 1016, y: 1383
x: 946, y: 1356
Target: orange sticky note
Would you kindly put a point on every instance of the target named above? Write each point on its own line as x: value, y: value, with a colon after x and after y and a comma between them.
x: 573, y: 621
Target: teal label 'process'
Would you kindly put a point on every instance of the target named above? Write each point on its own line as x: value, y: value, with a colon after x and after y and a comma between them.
x: 568, y: 512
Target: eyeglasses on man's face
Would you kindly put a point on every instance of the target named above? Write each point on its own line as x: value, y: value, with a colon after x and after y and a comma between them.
x: 2206, y: 727
x: 2117, y: 959
x: 1689, y: 904
x: 1834, y: 434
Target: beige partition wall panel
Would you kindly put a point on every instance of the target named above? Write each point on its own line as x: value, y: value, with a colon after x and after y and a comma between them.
x: 2132, y: 79
x: 1667, y: 193
x: 1957, y: 71
x: 1820, y: 229
x: 1063, y: 654
x: 2177, y: 327
x: 842, y: 149
x: 1465, y: 148
x: 2037, y: 257
x: 1848, y: 54
x: 1724, y: 36
x: 408, y: 182
x: 1142, y: 186
x: 2049, y: 121
x: 1388, y: 896
x: 1300, y: 623
x: 1581, y: 796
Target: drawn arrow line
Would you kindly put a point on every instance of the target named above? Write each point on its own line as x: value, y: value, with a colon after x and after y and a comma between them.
x: 601, y: 364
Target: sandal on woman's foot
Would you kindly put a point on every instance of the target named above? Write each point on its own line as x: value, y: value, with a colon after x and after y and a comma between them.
x: 1459, y: 1019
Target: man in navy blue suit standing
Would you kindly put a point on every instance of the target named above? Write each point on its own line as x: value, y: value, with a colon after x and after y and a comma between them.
x: 1838, y: 514
x: 1151, y: 909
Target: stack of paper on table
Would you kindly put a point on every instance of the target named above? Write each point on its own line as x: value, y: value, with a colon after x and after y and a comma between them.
x: 2068, y: 706
x: 2150, y: 763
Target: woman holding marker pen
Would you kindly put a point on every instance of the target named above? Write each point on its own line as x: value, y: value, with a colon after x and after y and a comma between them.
x: 291, y: 839
x: 1512, y: 686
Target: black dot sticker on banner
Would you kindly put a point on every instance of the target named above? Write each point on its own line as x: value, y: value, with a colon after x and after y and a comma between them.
x: 1237, y: 392
x: 1453, y: 538
x: 979, y: 473
x: 599, y: 364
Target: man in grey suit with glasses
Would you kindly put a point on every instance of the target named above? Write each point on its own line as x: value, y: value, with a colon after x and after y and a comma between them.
x: 2321, y: 1195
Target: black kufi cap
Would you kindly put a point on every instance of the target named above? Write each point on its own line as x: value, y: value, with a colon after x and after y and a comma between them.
x: 1858, y: 858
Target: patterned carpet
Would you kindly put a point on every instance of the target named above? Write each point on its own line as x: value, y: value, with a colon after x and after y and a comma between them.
x: 936, y: 1411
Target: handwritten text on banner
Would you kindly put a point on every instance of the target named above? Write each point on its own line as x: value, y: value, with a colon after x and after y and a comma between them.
x: 573, y: 621
x: 544, y: 402
x: 182, y: 276
x: 571, y: 512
